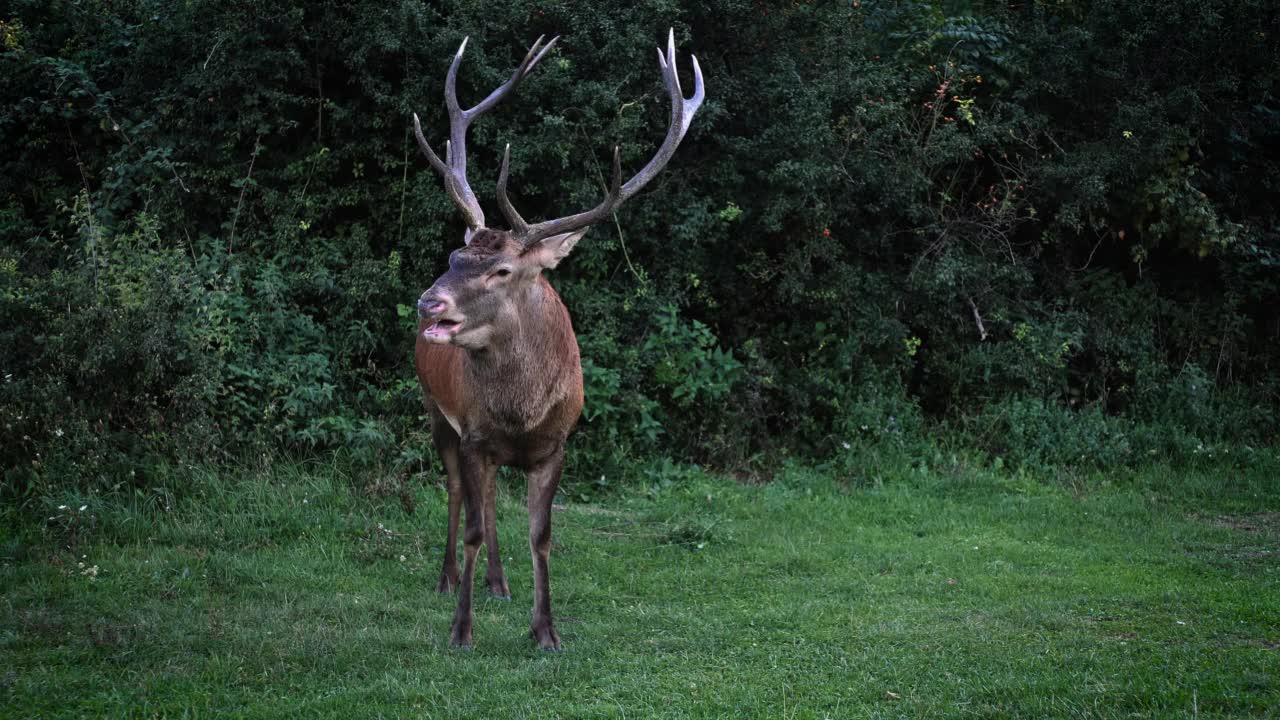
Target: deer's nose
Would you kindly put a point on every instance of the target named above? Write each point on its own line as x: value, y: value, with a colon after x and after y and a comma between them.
x: 433, y: 303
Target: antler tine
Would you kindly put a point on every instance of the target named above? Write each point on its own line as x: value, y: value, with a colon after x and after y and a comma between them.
x: 522, y: 229
x: 471, y: 212
x: 454, y: 167
x: 435, y: 160
x: 699, y: 92
x: 682, y: 112
x: 451, y: 81
x: 517, y: 223
x: 526, y: 66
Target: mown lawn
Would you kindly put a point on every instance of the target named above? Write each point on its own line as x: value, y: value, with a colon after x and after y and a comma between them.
x: 948, y: 592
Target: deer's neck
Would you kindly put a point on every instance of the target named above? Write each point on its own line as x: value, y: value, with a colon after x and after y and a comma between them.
x: 531, y: 363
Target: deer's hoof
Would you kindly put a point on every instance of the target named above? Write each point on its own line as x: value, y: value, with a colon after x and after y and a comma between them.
x: 498, y: 588
x: 460, y: 638
x: 546, y: 637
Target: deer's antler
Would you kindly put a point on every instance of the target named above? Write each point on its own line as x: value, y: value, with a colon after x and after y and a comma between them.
x: 682, y: 112
x: 454, y: 167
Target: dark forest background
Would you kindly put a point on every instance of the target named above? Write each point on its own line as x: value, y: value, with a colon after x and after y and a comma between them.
x: 1047, y: 232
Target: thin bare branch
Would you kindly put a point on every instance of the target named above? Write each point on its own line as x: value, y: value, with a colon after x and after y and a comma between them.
x: 977, y: 319
x: 243, y: 189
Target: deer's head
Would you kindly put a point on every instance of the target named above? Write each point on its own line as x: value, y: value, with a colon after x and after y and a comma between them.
x: 489, y: 281
x: 494, y: 277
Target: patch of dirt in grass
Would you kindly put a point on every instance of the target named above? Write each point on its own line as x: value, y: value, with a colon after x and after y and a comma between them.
x: 114, y: 635
x: 49, y: 627
x: 41, y: 622
x: 1267, y: 523
x: 1235, y: 557
x: 1259, y: 540
x: 1230, y: 641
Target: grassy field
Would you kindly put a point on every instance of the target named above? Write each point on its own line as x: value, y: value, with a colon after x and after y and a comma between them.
x: 948, y: 592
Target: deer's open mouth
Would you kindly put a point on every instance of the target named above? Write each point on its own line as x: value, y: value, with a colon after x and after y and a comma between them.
x: 442, y: 329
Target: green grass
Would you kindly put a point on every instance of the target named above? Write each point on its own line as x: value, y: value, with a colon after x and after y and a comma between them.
x: 952, y: 592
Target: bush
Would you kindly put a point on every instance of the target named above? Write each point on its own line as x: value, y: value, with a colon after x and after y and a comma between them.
x: 214, y: 224
x: 1031, y: 431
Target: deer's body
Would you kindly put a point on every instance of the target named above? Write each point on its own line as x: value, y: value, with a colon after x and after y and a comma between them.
x: 492, y: 407
x: 496, y: 354
x: 498, y: 389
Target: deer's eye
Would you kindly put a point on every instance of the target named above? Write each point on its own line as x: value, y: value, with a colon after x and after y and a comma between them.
x: 502, y: 272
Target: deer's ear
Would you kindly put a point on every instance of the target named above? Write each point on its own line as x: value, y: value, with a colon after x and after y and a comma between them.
x: 550, y: 251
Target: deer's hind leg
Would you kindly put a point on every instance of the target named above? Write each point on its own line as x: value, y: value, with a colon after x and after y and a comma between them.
x: 494, y: 577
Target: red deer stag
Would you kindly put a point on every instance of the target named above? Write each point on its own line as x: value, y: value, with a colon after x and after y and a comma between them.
x: 496, y: 353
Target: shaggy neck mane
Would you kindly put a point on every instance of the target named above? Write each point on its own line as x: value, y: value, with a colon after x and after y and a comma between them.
x: 522, y: 371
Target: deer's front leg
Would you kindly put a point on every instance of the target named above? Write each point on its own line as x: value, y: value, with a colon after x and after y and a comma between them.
x: 543, y: 480
x: 449, y: 569
x: 477, y: 470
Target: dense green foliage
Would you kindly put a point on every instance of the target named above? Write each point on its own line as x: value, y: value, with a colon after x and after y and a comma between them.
x: 954, y: 592
x: 1051, y: 226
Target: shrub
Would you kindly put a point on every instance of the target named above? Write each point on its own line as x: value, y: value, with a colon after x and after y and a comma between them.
x: 214, y: 223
